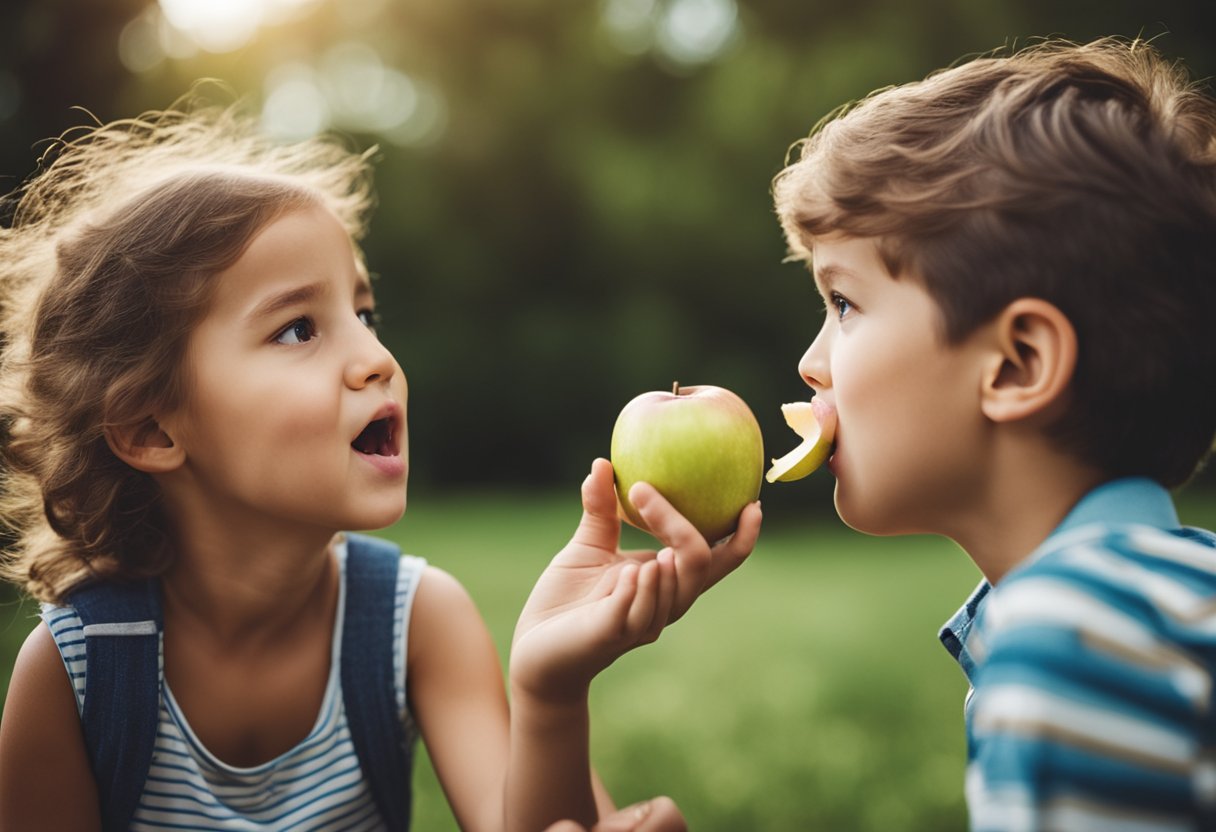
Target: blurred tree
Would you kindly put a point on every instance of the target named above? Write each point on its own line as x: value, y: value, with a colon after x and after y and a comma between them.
x: 574, y: 199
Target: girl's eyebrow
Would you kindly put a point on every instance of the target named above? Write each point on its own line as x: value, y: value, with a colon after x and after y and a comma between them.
x: 282, y: 300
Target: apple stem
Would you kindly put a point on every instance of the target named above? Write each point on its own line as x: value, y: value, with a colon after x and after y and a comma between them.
x: 675, y: 388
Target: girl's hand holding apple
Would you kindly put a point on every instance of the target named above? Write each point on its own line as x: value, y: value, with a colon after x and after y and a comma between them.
x: 595, y: 602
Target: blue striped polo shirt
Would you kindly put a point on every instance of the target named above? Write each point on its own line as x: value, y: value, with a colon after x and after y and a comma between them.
x: 317, y: 785
x: 1091, y: 671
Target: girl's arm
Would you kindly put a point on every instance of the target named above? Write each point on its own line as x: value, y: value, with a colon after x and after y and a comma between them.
x: 45, y: 779
x: 591, y: 605
x: 459, y: 701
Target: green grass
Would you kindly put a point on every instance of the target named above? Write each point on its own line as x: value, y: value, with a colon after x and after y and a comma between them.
x: 807, y: 691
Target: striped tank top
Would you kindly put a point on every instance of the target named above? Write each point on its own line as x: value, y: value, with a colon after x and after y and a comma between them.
x: 315, y: 785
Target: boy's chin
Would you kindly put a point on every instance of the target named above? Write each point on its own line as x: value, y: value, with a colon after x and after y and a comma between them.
x: 867, y: 519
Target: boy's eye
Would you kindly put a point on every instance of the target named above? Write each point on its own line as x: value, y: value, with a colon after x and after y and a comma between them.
x: 297, y: 332
x: 841, y: 304
x: 370, y: 318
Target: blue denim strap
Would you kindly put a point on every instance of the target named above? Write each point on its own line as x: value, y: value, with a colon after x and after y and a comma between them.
x: 122, y: 624
x: 368, y: 684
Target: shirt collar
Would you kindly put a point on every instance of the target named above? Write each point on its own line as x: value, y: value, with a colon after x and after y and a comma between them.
x: 1127, y: 501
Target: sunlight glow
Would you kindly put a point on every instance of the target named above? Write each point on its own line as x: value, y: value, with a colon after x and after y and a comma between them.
x: 226, y: 25
x: 348, y: 86
x: 352, y: 89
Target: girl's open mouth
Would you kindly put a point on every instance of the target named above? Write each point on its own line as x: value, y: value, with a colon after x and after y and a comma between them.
x: 377, y: 439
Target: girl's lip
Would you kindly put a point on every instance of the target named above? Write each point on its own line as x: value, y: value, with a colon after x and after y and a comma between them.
x: 390, y: 466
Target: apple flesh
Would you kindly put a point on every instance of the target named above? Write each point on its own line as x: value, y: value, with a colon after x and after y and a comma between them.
x: 816, y: 424
x: 699, y: 446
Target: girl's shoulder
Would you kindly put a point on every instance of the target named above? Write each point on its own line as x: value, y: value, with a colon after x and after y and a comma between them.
x: 42, y: 754
x: 444, y: 622
x: 440, y: 603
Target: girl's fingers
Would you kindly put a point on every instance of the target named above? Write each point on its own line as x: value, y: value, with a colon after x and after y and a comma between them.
x: 666, y: 564
x: 641, y: 611
x: 728, y: 555
x: 692, y: 556
x: 600, y: 528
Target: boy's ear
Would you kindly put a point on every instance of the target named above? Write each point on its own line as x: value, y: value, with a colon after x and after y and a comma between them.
x: 1033, y: 357
x: 145, y: 446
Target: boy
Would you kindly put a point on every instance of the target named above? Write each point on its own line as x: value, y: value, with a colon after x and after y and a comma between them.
x: 1017, y: 258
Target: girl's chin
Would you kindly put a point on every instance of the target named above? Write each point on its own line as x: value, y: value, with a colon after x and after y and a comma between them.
x: 381, y: 518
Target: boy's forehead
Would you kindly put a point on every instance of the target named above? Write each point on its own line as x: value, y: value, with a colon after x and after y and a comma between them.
x: 836, y: 257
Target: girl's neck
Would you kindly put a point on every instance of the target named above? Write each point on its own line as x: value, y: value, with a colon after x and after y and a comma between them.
x: 243, y: 586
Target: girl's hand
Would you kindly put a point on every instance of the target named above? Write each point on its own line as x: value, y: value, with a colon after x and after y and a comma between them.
x: 656, y: 815
x: 595, y: 602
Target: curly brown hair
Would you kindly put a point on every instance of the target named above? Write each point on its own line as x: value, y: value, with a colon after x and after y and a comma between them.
x: 1084, y: 175
x: 105, y: 269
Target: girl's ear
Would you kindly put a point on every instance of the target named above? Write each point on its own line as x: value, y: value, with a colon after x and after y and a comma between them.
x: 1031, y: 364
x: 145, y: 446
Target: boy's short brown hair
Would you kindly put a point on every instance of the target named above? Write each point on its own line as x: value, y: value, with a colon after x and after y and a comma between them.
x: 1084, y: 175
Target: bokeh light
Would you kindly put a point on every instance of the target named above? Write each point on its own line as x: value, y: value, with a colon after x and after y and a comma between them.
x: 225, y: 25
x: 697, y: 31
x: 686, y: 32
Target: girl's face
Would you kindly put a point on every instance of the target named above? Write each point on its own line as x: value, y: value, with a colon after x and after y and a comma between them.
x: 295, y: 410
x: 909, y: 425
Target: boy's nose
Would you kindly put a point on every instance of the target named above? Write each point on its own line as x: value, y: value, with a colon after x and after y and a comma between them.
x: 813, y: 366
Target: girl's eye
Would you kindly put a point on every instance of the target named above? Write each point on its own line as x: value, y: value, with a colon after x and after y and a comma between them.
x: 297, y: 332
x: 370, y: 318
x: 841, y: 304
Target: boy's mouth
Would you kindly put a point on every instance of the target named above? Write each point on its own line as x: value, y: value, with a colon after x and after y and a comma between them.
x: 378, y: 438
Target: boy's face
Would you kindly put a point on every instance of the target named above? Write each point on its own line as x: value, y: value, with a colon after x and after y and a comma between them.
x: 909, y: 421
x: 285, y: 374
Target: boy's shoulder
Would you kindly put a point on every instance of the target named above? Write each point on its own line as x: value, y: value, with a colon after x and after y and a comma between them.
x: 1121, y: 590
x: 1123, y: 566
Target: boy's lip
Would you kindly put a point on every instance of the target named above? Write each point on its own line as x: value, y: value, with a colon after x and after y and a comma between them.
x: 825, y: 413
x: 823, y: 410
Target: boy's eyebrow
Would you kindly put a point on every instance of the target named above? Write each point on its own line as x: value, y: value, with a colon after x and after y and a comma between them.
x: 282, y: 300
x: 827, y: 274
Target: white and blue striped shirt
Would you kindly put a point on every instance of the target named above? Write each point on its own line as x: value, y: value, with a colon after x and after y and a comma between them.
x: 315, y: 785
x: 1091, y: 668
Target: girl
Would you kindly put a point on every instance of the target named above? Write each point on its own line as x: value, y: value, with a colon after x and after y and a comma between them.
x: 196, y: 405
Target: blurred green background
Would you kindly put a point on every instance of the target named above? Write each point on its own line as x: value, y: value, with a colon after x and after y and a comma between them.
x: 574, y: 208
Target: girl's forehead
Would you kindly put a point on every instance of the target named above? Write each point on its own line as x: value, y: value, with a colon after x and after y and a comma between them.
x: 296, y: 257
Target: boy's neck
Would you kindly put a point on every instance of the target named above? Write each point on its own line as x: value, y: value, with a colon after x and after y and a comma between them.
x: 1030, y: 492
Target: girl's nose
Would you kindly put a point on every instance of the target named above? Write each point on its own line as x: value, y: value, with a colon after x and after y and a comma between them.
x: 371, y: 361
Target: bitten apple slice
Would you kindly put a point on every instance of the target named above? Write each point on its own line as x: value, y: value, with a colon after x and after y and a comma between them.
x: 817, y: 430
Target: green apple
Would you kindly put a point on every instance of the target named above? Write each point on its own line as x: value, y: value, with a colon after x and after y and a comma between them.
x: 699, y: 446
x: 817, y: 427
